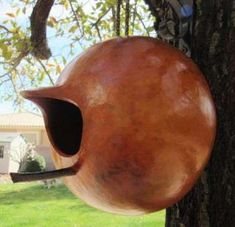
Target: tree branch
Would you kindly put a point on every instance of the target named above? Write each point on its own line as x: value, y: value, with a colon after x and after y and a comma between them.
x: 45, y: 70
x: 98, y: 31
x: 98, y: 21
x: 38, y: 22
x: 101, y: 17
x: 17, y: 101
x: 142, y: 22
x: 4, y: 81
x: 76, y: 19
x: 16, y: 62
x: 5, y: 28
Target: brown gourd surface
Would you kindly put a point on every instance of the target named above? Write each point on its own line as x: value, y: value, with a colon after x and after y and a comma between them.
x: 135, y: 117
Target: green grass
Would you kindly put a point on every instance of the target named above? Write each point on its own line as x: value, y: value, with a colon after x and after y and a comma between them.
x: 31, y: 204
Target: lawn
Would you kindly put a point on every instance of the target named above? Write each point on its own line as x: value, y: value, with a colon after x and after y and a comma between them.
x: 31, y: 204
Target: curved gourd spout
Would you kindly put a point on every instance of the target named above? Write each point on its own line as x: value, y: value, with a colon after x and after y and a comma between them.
x: 63, y: 119
x: 60, y: 117
x: 49, y: 92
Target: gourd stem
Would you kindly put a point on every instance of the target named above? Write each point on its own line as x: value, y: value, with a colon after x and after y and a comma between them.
x: 24, y: 177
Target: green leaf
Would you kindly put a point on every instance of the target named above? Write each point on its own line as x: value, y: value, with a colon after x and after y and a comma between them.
x: 73, y: 28
x: 98, y: 5
x: 6, y: 51
x: 3, y: 46
x: 64, y: 60
x: 7, y: 55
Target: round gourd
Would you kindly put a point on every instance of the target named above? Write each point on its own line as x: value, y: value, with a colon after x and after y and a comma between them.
x: 135, y: 119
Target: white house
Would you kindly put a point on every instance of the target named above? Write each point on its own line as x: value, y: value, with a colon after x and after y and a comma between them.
x: 13, y: 127
x: 12, y: 149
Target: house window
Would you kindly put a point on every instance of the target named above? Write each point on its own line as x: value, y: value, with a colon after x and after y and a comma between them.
x: 1, y: 151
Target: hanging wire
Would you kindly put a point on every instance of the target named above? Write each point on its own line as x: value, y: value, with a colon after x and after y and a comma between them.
x: 127, y: 17
x: 118, y: 19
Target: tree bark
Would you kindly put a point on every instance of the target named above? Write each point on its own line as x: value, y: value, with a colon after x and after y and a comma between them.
x: 211, y: 203
x: 38, y: 21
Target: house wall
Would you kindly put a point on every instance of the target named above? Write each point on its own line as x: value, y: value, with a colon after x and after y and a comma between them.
x: 33, y: 135
x: 44, y: 149
x: 44, y: 138
x: 4, y: 162
x: 42, y: 145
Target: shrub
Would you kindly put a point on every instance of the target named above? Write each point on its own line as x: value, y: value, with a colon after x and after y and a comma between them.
x: 35, y: 164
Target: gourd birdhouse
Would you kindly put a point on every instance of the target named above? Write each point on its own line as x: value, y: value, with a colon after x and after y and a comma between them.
x: 135, y: 121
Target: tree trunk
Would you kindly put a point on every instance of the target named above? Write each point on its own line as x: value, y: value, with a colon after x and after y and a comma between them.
x: 212, y: 201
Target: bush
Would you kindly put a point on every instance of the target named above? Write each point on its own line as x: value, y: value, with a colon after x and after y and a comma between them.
x: 35, y: 164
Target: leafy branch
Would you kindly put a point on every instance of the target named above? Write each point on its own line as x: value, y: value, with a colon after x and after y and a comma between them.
x: 16, y: 62
x: 76, y: 19
x: 45, y: 70
x: 5, y: 28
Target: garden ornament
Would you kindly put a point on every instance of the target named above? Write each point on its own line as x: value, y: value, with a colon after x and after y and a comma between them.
x: 132, y: 124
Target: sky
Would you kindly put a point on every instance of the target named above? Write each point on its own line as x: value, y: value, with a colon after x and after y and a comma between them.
x: 5, y: 107
x: 57, y: 11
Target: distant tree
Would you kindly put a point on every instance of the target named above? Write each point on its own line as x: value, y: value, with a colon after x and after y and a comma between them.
x: 21, y: 150
x: 34, y: 163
